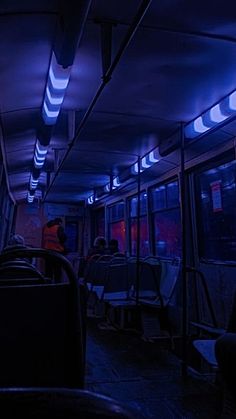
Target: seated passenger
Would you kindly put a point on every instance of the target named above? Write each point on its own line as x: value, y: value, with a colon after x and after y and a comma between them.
x: 113, y: 247
x: 16, y: 241
x: 99, y: 247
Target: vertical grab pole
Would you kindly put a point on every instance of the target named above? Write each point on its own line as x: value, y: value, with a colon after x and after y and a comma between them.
x: 184, y: 255
x: 138, y: 234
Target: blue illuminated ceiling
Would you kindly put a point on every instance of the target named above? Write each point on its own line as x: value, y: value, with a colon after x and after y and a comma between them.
x: 178, y: 64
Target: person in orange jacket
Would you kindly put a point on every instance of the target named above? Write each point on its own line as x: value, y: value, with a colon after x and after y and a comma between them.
x: 54, y: 238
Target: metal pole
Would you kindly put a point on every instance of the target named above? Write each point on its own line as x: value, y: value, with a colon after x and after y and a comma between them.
x: 138, y: 234
x: 184, y: 255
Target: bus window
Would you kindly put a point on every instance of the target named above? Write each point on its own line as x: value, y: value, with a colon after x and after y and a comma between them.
x: 116, y: 228
x: 166, y: 220
x: 144, y: 241
x: 216, y: 223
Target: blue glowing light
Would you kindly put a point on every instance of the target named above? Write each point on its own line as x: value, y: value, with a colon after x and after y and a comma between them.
x: 39, y: 155
x: 58, y: 79
x: 152, y: 157
x: 57, y: 82
x: 216, y: 114
x: 30, y: 198
x: 144, y: 163
x: 90, y: 200
x: 33, y: 182
x: 199, y: 126
x: 135, y: 169
x: 232, y: 101
x: 116, y: 182
x: 50, y: 114
x: 54, y: 100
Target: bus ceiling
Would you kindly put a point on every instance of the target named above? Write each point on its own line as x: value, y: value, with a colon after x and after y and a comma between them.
x: 93, y: 92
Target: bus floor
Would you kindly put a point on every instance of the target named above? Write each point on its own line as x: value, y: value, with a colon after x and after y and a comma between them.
x: 146, y: 377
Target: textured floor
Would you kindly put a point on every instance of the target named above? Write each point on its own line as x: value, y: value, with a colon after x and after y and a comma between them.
x: 145, y: 376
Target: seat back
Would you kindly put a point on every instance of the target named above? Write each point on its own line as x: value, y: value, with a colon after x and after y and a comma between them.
x: 117, y: 285
x: 169, y: 277
x: 64, y: 403
x: 41, y: 332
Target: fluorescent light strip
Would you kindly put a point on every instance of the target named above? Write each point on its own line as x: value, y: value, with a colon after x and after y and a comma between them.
x: 52, y: 99
x: 57, y: 82
x: 50, y: 114
x: 30, y: 198
x: 216, y: 115
x: 152, y: 157
x: 90, y: 200
x: 116, y: 182
x: 40, y: 149
x: 144, y: 163
x: 58, y: 79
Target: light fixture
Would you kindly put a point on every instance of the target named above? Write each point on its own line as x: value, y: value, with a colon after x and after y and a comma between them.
x: 147, y: 161
x: 58, y: 79
x: 217, y: 114
x: 116, y: 182
x: 90, y: 200
x: 33, y: 182
x: 39, y: 155
x: 30, y: 198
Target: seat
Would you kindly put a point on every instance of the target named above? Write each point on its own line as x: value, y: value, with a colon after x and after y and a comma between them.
x: 41, y: 329
x: 155, y: 302
x: 33, y: 403
x: 205, y: 346
x: 19, y: 272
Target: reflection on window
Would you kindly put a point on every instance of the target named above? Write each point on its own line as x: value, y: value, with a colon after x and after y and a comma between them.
x: 144, y: 241
x: 100, y: 222
x: 216, y: 198
x: 167, y: 233
x: 166, y: 220
x: 133, y: 212
x: 117, y: 231
x: 116, y: 212
x: 117, y: 224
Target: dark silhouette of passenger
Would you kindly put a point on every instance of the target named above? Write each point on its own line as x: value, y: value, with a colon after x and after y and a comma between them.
x: 16, y: 241
x: 113, y: 247
x: 98, y: 248
x: 54, y: 238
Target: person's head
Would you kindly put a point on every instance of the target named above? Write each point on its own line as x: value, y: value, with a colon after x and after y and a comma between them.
x: 100, y: 242
x: 113, y: 245
x: 16, y: 239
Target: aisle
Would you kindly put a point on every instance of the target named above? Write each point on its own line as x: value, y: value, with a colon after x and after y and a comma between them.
x: 145, y: 376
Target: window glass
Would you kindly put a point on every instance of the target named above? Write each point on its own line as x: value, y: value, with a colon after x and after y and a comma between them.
x: 133, y: 212
x: 144, y: 240
x: 172, y: 194
x: 216, y: 221
x: 116, y: 212
x: 99, y: 219
x: 117, y: 231
x: 158, y: 197
x: 167, y: 229
x: 166, y: 220
x: 133, y: 207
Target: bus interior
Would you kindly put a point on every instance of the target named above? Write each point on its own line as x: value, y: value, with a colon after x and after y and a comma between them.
x: 118, y: 118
